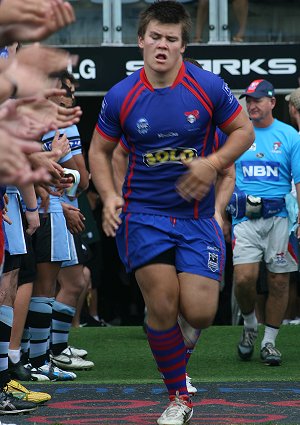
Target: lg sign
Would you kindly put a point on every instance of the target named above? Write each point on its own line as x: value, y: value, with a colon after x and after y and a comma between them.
x: 100, y: 67
x: 279, y: 66
x: 86, y: 70
x: 274, y: 66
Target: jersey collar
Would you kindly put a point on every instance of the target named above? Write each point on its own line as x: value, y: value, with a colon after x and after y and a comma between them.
x: 177, y: 80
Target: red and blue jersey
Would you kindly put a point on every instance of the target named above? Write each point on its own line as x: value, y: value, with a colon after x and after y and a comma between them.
x: 163, y: 129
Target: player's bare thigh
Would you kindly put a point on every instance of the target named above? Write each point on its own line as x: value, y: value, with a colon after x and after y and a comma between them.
x: 160, y: 288
x: 199, y: 296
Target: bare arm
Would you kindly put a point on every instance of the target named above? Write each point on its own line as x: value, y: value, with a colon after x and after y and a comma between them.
x: 224, y: 189
x: 32, y: 217
x: 119, y: 164
x: 84, y: 174
x: 100, y: 161
x: 240, y: 137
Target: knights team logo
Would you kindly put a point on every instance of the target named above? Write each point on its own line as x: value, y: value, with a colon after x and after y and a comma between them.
x: 213, y: 261
x: 280, y: 259
x: 276, y: 147
x: 192, y: 116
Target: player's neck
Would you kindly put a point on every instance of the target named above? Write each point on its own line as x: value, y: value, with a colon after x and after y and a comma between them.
x: 159, y: 79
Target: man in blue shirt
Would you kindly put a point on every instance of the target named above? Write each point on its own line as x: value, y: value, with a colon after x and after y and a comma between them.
x: 167, y: 234
x: 260, y: 233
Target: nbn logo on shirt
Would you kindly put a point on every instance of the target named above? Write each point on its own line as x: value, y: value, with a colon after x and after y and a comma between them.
x: 260, y: 170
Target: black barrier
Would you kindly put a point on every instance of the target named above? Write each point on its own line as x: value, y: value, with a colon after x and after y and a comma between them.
x: 99, y: 68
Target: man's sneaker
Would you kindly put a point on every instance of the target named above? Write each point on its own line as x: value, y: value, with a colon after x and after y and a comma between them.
x: 179, y: 411
x: 295, y: 321
x: 80, y: 352
x: 246, y: 345
x: 270, y: 355
x: 18, y: 371
x: 19, y: 391
x: 10, y: 405
x: 35, y: 375
x: 190, y: 387
x: 67, y: 360
x: 92, y: 322
x: 53, y: 373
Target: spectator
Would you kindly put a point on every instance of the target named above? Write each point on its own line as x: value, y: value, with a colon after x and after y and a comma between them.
x: 264, y: 176
x: 240, y: 9
x: 294, y: 107
x: 25, y: 75
x: 293, y: 310
x: 71, y: 278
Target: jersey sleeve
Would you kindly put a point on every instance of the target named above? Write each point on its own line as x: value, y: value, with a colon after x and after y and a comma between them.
x: 226, y: 105
x: 65, y: 158
x: 108, y: 124
x: 73, y: 136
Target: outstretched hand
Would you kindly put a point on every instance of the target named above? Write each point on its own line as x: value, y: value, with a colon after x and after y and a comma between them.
x: 36, y: 26
x: 31, y: 67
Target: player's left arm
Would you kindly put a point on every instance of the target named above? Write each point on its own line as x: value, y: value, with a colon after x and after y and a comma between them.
x: 223, y: 189
x: 240, y: 134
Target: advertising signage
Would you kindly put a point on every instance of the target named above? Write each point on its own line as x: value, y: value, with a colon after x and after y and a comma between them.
x: 99, y: 68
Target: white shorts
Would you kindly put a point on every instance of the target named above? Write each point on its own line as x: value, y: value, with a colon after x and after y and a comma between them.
x: 264, y: 239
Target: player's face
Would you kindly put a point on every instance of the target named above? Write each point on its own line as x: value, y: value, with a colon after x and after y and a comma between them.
x: 162, y: 46
x: 260, y: 110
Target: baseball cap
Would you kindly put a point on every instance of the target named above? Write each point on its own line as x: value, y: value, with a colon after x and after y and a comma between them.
x: 294, y: 98
x: 258, y: 89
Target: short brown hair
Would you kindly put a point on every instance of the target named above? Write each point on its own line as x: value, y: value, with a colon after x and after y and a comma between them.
x: 166, y: 12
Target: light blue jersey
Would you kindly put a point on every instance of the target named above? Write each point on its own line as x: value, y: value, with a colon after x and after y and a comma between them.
x: 267, y: 167
x: 72, y: 135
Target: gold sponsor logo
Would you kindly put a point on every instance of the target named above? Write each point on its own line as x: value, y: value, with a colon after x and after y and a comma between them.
x: 169, y: 155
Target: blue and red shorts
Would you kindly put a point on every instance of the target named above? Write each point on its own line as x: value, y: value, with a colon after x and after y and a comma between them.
x: 198, y: 244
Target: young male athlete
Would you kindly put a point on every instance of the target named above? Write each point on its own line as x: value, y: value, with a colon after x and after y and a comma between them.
x: 168, y: 112
x: 224, y: 187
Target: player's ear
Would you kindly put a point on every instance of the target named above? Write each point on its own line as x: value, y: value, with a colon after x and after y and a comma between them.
x: 140, y: 42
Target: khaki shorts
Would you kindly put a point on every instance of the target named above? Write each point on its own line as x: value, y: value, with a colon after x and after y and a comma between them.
x: 264, y: 240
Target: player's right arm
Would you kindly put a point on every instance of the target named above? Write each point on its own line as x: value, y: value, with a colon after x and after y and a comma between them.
x: 119, y: 164
x: 100, y: 162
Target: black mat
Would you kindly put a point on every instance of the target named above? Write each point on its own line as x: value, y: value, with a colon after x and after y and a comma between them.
x: 215, y: 404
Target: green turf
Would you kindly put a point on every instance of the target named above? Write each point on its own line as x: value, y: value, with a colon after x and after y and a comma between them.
x: 122, y: 355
